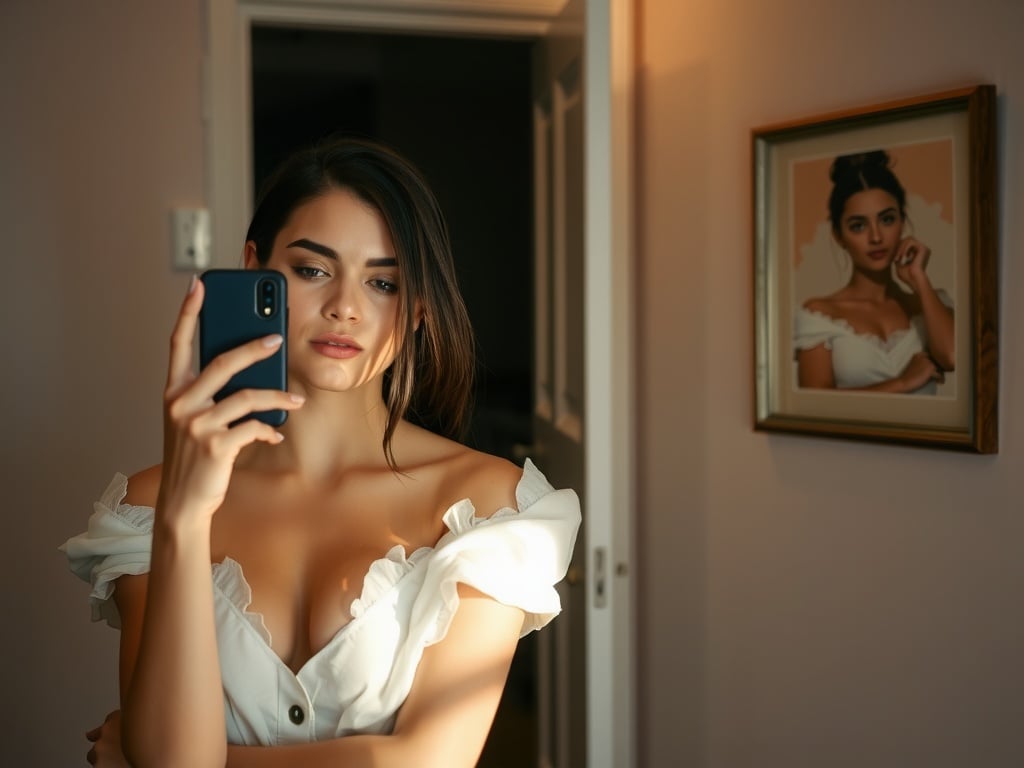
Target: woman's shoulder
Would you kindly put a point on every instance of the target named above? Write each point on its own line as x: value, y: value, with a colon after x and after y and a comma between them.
x: 144, y: 486
x: 817, y: 316
x: 490, y: 481
x: 459, y: 471
x: 823, y: 305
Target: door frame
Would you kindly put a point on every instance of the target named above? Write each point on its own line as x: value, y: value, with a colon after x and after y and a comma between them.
x: 609, y: 293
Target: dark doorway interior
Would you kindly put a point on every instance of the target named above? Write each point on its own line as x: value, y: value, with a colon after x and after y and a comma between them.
x: 459, y: 108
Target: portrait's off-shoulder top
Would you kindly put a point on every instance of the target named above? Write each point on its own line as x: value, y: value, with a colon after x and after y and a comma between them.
x: 863, y: 359
x: 357, y: 682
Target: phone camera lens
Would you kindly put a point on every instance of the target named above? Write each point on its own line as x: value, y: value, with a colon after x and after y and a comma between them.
x: 267, y: 299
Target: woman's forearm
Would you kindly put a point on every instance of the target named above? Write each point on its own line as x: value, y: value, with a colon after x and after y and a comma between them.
x: 362, y: 751
x: 894, y: 386
x: 174, y: 707
x: 938, y: 321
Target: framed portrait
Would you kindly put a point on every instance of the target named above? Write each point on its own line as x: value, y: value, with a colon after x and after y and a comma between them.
x: 875, y: 273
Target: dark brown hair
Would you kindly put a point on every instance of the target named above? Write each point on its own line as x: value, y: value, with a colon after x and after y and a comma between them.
x: 855, y: 173
x: 431, y: 379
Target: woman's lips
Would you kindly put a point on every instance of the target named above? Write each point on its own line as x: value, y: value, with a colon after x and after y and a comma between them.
x: 338, y: 347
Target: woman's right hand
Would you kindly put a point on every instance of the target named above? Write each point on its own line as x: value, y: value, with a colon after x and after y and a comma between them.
x: 105, y: 751
x: 200, y: 445
x: 919, y: 371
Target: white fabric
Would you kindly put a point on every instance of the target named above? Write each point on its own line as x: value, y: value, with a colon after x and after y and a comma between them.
x: 863, y: 359
x: 357, y: 682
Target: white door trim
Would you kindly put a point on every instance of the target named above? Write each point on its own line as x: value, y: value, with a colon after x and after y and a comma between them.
x: 610, y: 357
x: 609, y: 438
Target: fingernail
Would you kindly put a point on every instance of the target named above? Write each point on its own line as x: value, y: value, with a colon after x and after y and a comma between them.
x: 192, y: 284
x: 297, y: 398
x: 272, y: 340
x: 280, y: 437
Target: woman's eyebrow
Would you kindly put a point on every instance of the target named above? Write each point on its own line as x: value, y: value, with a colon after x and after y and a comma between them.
x: 309, y: 245
x: 864, y: 216
x: 330, y: 253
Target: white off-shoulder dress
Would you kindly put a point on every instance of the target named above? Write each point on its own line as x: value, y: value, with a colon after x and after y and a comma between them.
x: 358, y: 681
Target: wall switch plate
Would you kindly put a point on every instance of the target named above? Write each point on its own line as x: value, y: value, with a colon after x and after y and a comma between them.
x: 190, y: 239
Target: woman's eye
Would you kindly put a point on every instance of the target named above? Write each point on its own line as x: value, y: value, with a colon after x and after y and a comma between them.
x: 889, y: 218
x: 856, y: 226
x: 309, y: 272
x: 384, y: 285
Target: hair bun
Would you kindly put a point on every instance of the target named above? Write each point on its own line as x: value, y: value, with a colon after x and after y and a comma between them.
x: 858, y: 163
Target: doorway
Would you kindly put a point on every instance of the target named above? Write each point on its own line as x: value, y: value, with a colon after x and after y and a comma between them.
x: 460, y: 109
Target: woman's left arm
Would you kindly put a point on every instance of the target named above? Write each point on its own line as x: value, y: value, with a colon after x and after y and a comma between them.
x: 911, y: 261
x: 445, y: 720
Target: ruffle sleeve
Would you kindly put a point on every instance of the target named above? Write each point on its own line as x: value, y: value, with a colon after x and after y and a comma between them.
x: 811, y: 329
x: 118, y: 541
x: 515, y: 557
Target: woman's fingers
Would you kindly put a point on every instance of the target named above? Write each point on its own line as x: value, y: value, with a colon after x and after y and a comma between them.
x: 241, y: 404
x: 179, y: 369
x: 232, y: 441
x: 219, y: 372
x: 910, y: 250
x: 221, y: 431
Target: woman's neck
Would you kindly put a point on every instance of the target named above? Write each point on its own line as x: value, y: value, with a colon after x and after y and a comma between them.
x: 870, y: 286
x: 330, y: 432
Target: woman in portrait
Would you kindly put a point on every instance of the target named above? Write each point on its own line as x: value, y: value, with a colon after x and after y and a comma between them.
x: 874, y: 334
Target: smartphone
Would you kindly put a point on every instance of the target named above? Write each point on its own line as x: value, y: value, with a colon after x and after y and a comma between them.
x: 241, y: 305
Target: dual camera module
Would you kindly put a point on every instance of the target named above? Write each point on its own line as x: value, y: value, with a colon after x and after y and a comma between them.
x: 267, y: 298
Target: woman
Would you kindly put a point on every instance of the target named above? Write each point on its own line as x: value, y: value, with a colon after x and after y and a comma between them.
x: 872, y: 335
x: 370, y: 578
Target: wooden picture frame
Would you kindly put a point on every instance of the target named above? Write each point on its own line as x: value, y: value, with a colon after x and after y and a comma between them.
x: 834, y: 329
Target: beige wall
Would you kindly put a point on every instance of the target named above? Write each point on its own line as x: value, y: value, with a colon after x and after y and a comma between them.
x: 101, y: 136
x: 809, y: 602
x: 804, y: 602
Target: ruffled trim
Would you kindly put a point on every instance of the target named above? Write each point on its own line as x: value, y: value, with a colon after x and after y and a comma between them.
x: 884, y: 344
x: 117, y: 542
x: 809, y: 333
x: 514, y: 556
x: 516, y: 563
x: 229, y: 579
x: 531, y: 488
x: 384, y: 575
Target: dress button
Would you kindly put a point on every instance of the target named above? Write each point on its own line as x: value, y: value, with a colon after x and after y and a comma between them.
x: 295, y: 714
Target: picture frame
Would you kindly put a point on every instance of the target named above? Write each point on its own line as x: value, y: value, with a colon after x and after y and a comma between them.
x: 842, y: 338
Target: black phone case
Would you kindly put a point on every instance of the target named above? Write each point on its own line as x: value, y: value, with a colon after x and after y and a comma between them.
x: 232, y: 314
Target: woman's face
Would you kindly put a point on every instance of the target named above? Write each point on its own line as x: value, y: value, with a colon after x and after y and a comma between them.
x: 870, y: 229
x: 337, y: 256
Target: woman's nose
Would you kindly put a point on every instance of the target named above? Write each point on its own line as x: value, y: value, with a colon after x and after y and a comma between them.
x: 875, y: 233
x: 343, y: 304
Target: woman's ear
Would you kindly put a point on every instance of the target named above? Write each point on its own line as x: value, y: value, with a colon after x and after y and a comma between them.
x: 249, y: 255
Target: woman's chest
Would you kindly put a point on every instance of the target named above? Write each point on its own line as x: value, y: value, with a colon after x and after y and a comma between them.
x: 881, y: 321
x: 305, y: 566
